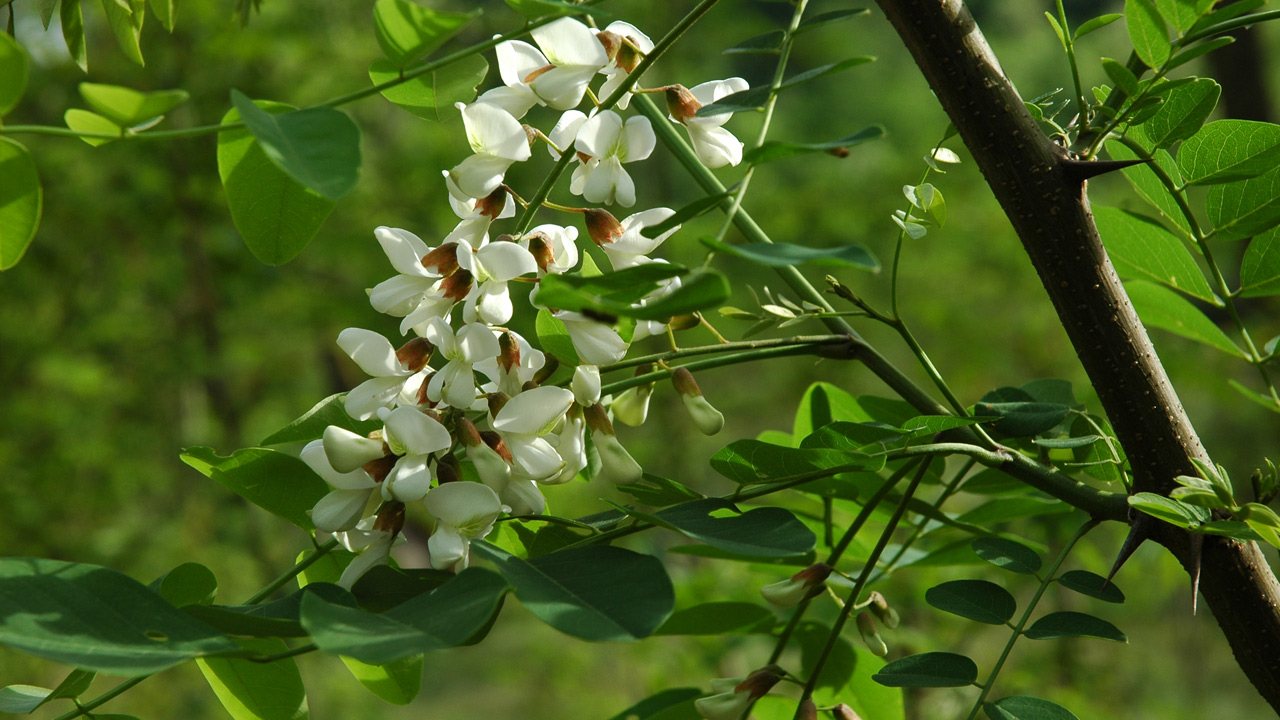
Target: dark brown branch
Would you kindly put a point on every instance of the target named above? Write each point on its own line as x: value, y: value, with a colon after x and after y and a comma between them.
x: 1042, y: 191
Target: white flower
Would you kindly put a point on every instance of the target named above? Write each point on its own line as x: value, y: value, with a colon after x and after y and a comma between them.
x: 348, y: 451
x: 464, y: 511
x: 342, y: 508
x: 554, y: 248
x: 565, y: 132
x: 491, y: 268
x: 524, y: 421
x: 455, y: 383
x: 498, y: 140
x: 625, y: 58
x: 609, y: 142
x: 397, y: 375
x: 516, y: 61
x: 515, y: 364
x: 727, y: 704
x: 373, y: 545
x: 571, y: 444
x: 477, y: 214
x: 626, y: 250
x: 632, y: 406
x: 616, y: 464
x: 416, y: 436
x: 714, y: 146
x: 574, y: 55
x: 586, y: 385
x: 595, y: 342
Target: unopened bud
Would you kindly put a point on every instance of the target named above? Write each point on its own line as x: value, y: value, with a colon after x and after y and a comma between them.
x: 685, y: 322
x: 508, y: 351
x: 496, y: 402
x: 548, y: 369
x: 807, y: 710
x: 467, y: 432
x: 629, y: 56
x: 347, y: 451
x: 681, y: 103
x: 844, y: 712
x: 423, y: 400
x: 705, y: 417
x: 611, y: 41
x: 415, y: 354
x: 870, y: 635
x: 684, y: 382
x: 616, y: 464
x: 443, y: 260
x: 458, y: 286
x: 543, y: 254
x: 602, y: 227
x: 493, y: 204
x: 494, y: 442
x: 803, y: 585
x: 598, y: 419
x: 586, y: 385
x: 390, y: 517
x: 759, y: 683
x: 880, y: 608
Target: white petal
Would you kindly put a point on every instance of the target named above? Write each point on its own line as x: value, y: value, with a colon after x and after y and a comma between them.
x: 398, y: 296
x: 524, y: 498
x: 340, y: 510
x: 562, y: 87
x: 709, y: 92
x: 447, y: 547
x: 533, y: 458
x: 403, y: 249
x: 568, y: 42
x: 477, y: 342
x: 565, y: 131
x: 516, y: 59
x: 492, y: 304
x: 372, y: 352
x: 638, y: 138
x: 505, y: 261
x: 632, y: 241
x: 517, y: 99
x: 586, y: 385
x: 595, y: 342
x: 364, y: 400
x: 463, y: 505
x: 439, y: 334
x: 627, y: 30
x: 494, y: 131
x: 533, y: 412
x: 599, y: 136
x: 313, y: 455
x: 715, y: 146
x: 616, y: 464
x: 632, y: 406
x: 376, y: 554
x: 479, y: 175
x: 348, y: 451
x: 418, y: 432
x: 459, y: 385
x: 409, y: 480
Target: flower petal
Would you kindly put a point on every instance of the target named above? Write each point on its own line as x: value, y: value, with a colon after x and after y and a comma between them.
x: 371, y: 351
x: 419, y: 433
x: 314, y: 456
x: 348, y: 451
x: 600, y: 135
x: 364, y: 400
x: 463, y: 504
x: 533, y: 412
x: 568, y: 42
x: 340, y: 510
x: 494, y: 131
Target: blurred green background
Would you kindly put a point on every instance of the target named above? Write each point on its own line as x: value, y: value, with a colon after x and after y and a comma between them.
x: 139, y: 324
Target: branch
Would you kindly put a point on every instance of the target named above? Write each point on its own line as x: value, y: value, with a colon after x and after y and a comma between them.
x: 1043, y: 194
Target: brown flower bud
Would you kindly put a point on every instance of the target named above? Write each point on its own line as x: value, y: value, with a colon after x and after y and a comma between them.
x: 492, y: 204
x: 597, y: 419
x: 807, y: 710
x: 681, y: 103
x: 415, y: 354
x: 467, y: 432
x: 457, y: 286
x: 684, y: 382
x: 611, y: 41
x: 602, y: 226
x: 531, y: 133
x: 508, y: 351
x: 496, y: 401
x: 540, y: 248
x: 629, y: 56
x: 497, y: 444
x: 844, y: 712
x: 685, y: 322
x: 444, y: 259
x: 759, y: 683
x: 390, y: 517
x: 870, y: 635
x: 880, y: 608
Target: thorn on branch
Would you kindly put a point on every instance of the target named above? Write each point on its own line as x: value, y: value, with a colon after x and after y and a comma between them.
x: 1081, y: 170
x: 1139, y: 532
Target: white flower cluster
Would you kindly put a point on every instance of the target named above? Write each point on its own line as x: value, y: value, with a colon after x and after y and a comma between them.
x: 480, y: 411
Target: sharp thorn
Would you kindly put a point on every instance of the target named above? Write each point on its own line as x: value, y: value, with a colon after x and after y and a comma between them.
x: 1081, y: 170
x: 1197, y: 547
x: 1139, y: 531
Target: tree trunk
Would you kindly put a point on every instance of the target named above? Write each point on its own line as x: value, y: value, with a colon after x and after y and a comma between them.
x: 1042, y: 190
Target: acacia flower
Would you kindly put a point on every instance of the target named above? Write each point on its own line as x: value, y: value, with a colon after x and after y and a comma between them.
x: 626, y: 46
x: 491, y: 268
x: 498, y: 140
x: 595, y: 342
x: 571, y: 444
x: 463, y: 511
x: 554, y: 248
x: 415, y: 436
x: 734, y: 695
x: 804, y: 584
x: 343, y: 507
x: 524, y: 421
x: 629, y: 245
x: 705, y: 417
x: 586, y: 385
x: 564, y: 132
x: 714, y: 146
x: 397, y: 374
x: 455, y: 383
x: 478, y: 214
x: 573, y: 56
x: 609, y: 142
x: 516, y: 363
x: 616, y: 464
x: 373, y: 541
x: 516, y: 61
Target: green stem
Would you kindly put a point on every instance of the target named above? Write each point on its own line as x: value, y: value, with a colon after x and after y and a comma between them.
x: 947, y: 492
x: 796, y: 341
x: 674, y: 34
x: 1081, y: 107
x: 838, y: 626
x: 292, y: 652
x: 321, y: 550
x: 1229, y: 25
x: 1026, y: 616
x: 728, y: 359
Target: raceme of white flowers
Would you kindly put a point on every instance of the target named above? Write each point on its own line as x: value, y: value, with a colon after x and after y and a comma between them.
x: 468, y: 429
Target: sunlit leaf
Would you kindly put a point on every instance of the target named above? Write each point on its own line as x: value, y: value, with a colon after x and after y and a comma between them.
x: 762, y: 532
x: 13, y: 72
x: 257, y: 691
x: 1147, y: 32
x: 1092, y: 585
x: 311, y: 425
x: 1007, y: 554
x: 751, y: 461
x: 1260, y: 267
x: 1148, y: 186
x: 319, y: 147
x: 1228, y: 150
x: 408, y: 32
x: 188, y: 584
x: 1097, y: 23
x: 1141, y: 247
x: 769, y: 42
x: 278, y: 483
x: 785, y: 254
x: 433, y: 95
x: 127, y: 107
x: 1183, y: 112
x: 1245, y: 208
x: 1163, y: 308
x: 21, y: 201
x: 1025, y: 707
x: 776, y: 150
x: 125, y: 18
x: 73, y: 32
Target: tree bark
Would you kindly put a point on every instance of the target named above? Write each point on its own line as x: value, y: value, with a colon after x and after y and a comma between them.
x: 1042, y: 190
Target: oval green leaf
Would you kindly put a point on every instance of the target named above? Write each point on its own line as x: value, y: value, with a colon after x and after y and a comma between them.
x: 775, y: 150
x: 127, y: 107
x: 22, y: 699
x: 719, y: 618
x: 73, y: 32
x: 21, y: 202
x: 83, y: 121
x: 1245, y: 208
x: 1169, y: 510
x: 278, y: 483
x: 432, y: 95
x: 311, y: 425
x: 785, y: 254
x: 125, y: 18
x: 978, y: 600
x: 751, y: 461
x: 597, y: 593
x: 1160, y: 307
x: 1141, y: 247
x: 1092, y: 585
x: 1228, y: 150
x: 408, y: 32
x: 319, y: 147
x: 760, y: 532
x: 13, y: 72
x: 1148, y: 185
x: 397, y: 682
x: 1260, y: 267
x: 1073, y: 624
x: 276, y: 215
x: 1147, y: 32
x: 931, y: 669
x: 254, y: 690
x: 1025, y: 707
x: 1183, y: 112
x: 188, y: 584
x: 1007, y: 554
x: 97, y: 619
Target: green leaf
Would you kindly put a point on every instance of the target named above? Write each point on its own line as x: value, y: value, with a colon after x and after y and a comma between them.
x: 165, y: 12
x: 13, y: 72
x: 126, y: 107
x: 552, y: 8
x: 22, y: 699
x: 1092, y: 585
x: 616, y: 293
x: 1245, y: 208
x: 46, y: 11
x: 1182, y: 14
x: 1020, y: 414
x: 1141, y: 247
x: 750, y: 99
x: 760, y: 532
x: 276, y: 215
x: 931, y: 669
x: 451, y: 615
x: 750, y: 462
x: 719, y: 618
x: 1259, y: 398
x: 1121, y: 76
x: 823, y: 70
x: 834, y: 16
x: 73, y: 686
x: 1196, y: 51
x: 1007, y: 554
x: 96, y: 619
x: 822, y: 404
x: 1148, y: 186
x: 1171, y: 511
x: 188, y: 584
x: 775, y: 150
x: 278, y: 483
x: 397, y: 682
x: 1228, y: 150
x: 432, y: 95
x: 1183, y: 112
x: 1260, y: 267
x: 21, y: 202
x: 1096, y: 24
x: 1057, y: 29
x: 73, y: 32
x: 257, y: 691
x: 553, y: 337
x: 659, y: 491
x: 786, y: 254
x: 125, y: 18
x: 1003, y: 510
x: 685, y: 214
x: 408, y: 32
x: 597, y: 593
x: 1147, y: 32
x: 1025, y: 707
x: 925, y: 425
x: 769, y: 42
x: 1165, y: 309
x: 311, y: 425
x: 83, y: 121
x: 1073, y: 624
x: 978, y: 600
x: 653, y: 707
x: 278, y: 618
x: 319, y: 147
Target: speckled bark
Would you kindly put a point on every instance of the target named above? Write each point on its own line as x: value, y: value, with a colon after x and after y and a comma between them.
x: 1043, y: 194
